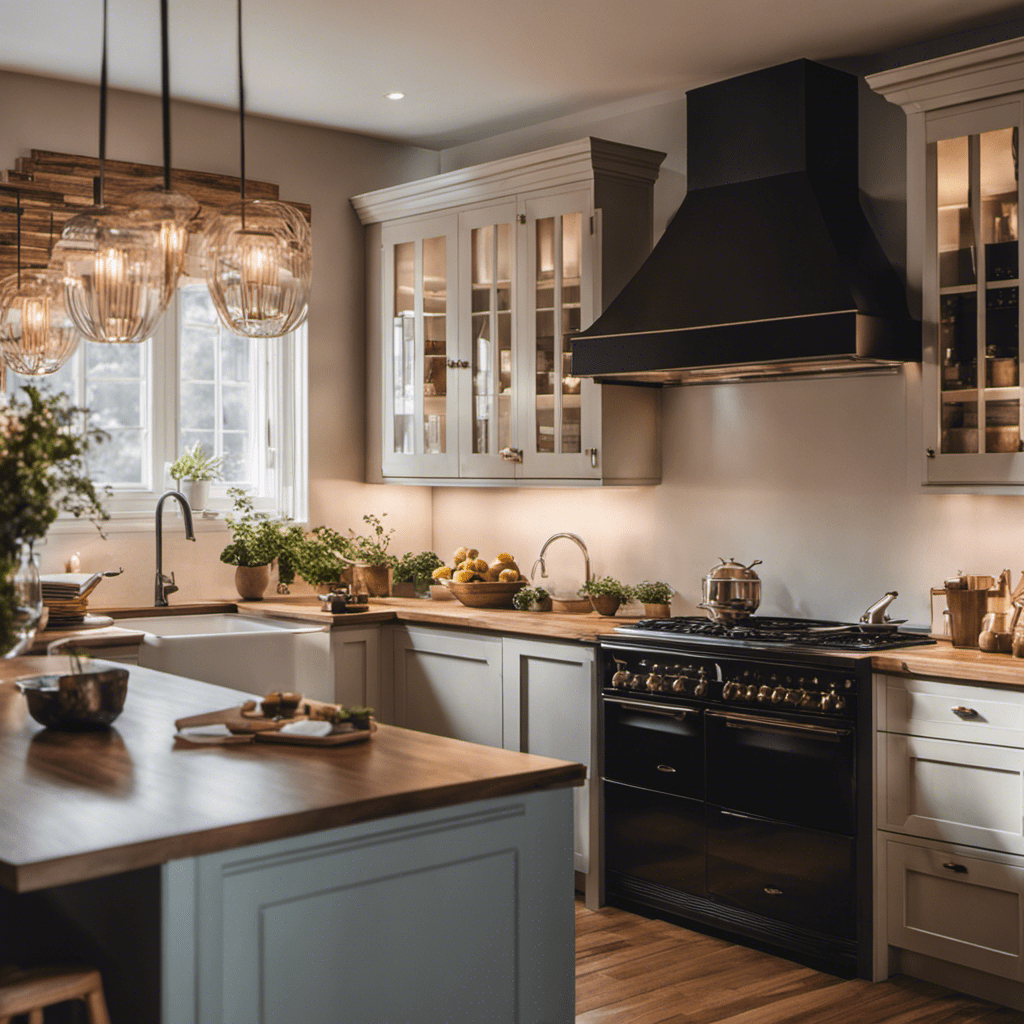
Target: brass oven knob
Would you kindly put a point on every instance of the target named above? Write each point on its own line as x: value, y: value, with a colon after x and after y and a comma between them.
x: 751, y: 693
x: 840, y: 702
x: 808, y: 700
x: 764, y: 694
x: 828, y: 701
x: 778, y: 695
x: 655, y: 679
x: 700, y: 688
x: 622, y: 678
x: 794, y: 697
x: 730, y: 690
x: 679, y: 685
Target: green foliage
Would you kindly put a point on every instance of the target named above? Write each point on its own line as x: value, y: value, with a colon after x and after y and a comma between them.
x: 653, y: 593
x: 608, y: 586
x: 195, y: 464
x: 8, y: 603
x: 525, y: 599
x: 372, y: 548
x: 256, y: 539
x: 43, y: 445
x: 318, y: 557
x: 416, y: 569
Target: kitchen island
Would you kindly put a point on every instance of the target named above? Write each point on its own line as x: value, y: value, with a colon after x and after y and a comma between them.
x: 411, y: 877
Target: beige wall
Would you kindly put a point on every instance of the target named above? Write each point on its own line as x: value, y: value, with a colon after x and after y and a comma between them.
x: 312, y: 165
x: 820, y: 479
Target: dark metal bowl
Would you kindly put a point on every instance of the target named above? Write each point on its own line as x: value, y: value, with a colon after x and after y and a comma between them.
x: 92, y: 700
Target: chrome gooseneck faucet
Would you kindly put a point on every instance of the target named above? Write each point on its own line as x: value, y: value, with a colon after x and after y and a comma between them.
x: 577, y: 540
x: 165, y: 585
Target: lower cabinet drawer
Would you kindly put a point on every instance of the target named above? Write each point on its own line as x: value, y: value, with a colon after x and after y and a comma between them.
x: 654, y: 836
x: 968, y: 793
x: 795, y: 875
x: 957, y: 908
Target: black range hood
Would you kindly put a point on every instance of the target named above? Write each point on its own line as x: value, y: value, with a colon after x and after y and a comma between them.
x: 769, y: 268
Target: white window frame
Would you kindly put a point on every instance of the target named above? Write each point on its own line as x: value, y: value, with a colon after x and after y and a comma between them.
x: 283, y: 416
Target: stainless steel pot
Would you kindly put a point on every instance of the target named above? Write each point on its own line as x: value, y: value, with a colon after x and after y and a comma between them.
x: 731, y: 592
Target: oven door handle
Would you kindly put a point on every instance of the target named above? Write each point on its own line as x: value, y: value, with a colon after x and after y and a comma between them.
x: 776, y: 725
x: 639, y: 705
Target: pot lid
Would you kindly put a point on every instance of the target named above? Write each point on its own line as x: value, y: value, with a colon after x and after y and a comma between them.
x: 733, y: 570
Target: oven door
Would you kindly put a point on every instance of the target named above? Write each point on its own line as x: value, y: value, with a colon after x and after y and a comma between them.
x: 794, y: 875
x: 784, y: 768
x: 656, y: 746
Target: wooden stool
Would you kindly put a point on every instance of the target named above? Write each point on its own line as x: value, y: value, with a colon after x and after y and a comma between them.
x: 33, y: 990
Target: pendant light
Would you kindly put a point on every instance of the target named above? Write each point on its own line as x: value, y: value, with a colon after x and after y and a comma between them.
x: 111, y: 264
x: 258, y: 255
x: 37, y: 336
x: 170, y: 214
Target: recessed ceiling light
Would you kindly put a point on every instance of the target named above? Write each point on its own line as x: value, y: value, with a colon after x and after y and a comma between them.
x: 394, y: 95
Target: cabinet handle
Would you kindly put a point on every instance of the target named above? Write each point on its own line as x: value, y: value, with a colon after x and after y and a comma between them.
x: 961, y: 712
x: 665, y: 768
x: 592, y: 452
x: 512, y: 454
x: 458, y: 364
x: 772, y: 891
x: 958, y: 869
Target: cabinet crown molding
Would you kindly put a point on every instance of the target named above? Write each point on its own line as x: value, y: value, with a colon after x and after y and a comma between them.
x: 567, y: 164
x: 978, y: 74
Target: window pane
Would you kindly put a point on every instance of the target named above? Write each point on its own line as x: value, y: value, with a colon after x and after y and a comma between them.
x: 234, y: 357
x: 236, y: 458
x: 115, y: 404
x: 113, y: 360
x: 196, y: 307
x: 198, y: 409
x: 64, y: 380
x: 236, y: 407
x: 206, y: 438
x: 119, y: 459
x: 198, y: 353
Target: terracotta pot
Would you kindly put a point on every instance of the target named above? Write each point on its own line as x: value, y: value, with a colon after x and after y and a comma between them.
x: 251, y: 581
x: 375, y: 580
x: 605, y: 604
x: 658, y: 611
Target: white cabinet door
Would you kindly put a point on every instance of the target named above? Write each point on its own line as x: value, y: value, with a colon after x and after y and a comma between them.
x: 962, y: 909
x: 356, y: 656
x: 550, y: 700
x: 958, y: 792
x: 419, y: 328
x: 559, y: 414
x: 448, y: 684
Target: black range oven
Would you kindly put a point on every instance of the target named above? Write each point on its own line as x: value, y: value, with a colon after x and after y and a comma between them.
x: 736, y: 779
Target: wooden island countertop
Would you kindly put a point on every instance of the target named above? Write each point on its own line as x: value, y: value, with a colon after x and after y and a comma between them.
x: 75, y: 806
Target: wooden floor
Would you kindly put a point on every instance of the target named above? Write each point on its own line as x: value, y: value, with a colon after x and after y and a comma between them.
x: 630, y: 970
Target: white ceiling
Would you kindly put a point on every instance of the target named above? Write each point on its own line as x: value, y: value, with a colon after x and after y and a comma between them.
x: 469, y: 70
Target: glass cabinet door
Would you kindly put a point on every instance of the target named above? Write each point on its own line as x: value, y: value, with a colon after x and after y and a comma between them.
x: 420, y: 414
x: 488, y: 434
x: 975, y: 300
x: 559, y: 411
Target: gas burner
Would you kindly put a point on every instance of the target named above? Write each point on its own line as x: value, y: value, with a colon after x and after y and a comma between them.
x: 836, y: 636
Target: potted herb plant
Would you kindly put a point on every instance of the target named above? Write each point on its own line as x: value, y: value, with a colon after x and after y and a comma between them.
x: 656, y: 599
x: 320, y: 557
x: 532, y: 599
x: 412, y: 574
x: 606, y: 594
x: 256, y: 540
x: 193, y: 470
x: 372, y: 565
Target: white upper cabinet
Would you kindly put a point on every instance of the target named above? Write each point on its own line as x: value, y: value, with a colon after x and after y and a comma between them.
x: 477, y: 279
x: 964, y: 119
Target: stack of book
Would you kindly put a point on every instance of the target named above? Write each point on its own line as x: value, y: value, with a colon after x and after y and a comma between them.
x: 66, y: 594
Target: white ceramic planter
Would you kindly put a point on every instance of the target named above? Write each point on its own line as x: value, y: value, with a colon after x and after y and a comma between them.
x: 197, y: 493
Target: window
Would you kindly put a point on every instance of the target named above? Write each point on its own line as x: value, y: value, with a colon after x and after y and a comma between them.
x: 241, y: 399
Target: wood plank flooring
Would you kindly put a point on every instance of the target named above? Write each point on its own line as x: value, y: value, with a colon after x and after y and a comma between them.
x: 630, y: 970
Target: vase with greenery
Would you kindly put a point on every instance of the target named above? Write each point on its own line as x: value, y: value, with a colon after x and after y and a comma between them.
x: 256, y: 540
x: 655, y: 597
x: 193, y: 470
x: 412, y: 573
x: 44, y: 443
x: 606, y: 594
x: 532, y: 599
x: 372, y: 565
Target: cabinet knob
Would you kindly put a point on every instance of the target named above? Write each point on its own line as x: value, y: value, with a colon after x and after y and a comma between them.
x: 957, y: 869
x: 961, y: 712
x: 512, y: 454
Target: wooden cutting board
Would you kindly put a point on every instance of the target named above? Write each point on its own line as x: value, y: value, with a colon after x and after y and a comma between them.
x: 247, y: 722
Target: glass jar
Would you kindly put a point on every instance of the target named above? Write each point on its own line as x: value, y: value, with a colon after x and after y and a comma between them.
x: 28, y: 598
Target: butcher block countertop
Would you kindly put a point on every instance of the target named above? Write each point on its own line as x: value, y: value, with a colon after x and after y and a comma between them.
x: 82, y: 805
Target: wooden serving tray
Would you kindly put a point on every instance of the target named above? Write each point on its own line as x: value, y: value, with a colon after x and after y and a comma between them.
x: 246, y: 722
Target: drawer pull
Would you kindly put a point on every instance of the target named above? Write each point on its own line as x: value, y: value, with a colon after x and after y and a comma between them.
x: 961, y: 712
x: 959, y: 869
x: 665, y: 768
x: 772, y: 891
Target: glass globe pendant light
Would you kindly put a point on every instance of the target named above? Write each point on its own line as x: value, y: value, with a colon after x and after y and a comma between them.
x: 258, y: 255
x: 37, y: 336
x: 110, y: 262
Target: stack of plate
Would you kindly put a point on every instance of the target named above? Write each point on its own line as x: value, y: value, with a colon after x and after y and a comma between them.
x: 66, y: 595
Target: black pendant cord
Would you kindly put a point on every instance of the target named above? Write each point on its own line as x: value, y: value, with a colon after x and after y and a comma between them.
x: 241, y: 111
x: 103, y: 110
x: 165, y: 92
x: 18, y: 219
